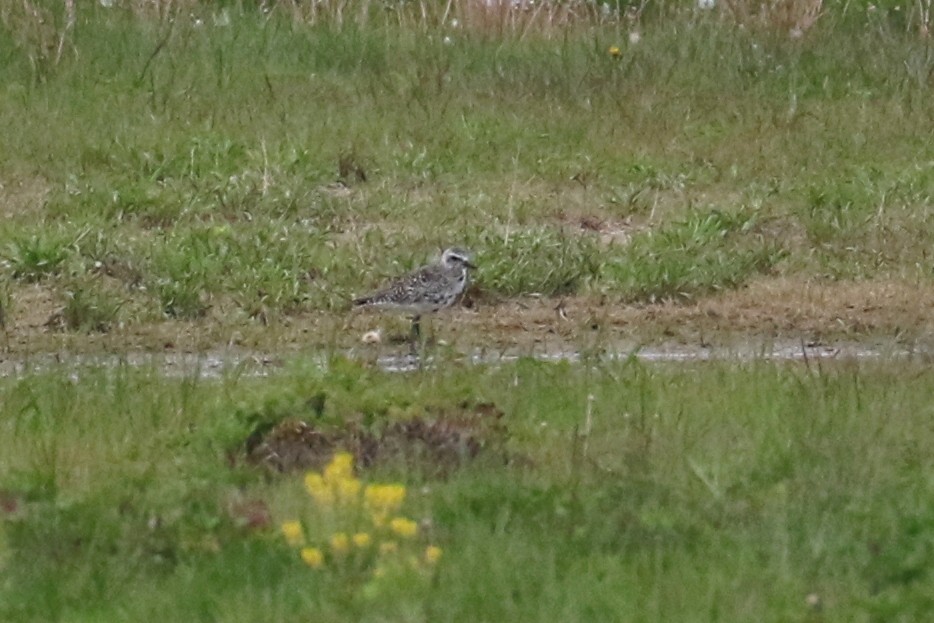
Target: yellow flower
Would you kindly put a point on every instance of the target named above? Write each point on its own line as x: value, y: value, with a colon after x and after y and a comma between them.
x: 403, y: 527
x: 361, y: 539
x: 388, y: 547
x: 614, y: 51
x: 381, y: 500
x: 292, y: 531
x: 348, y: 489
x: 340, y: 468
x: 313, y: 557
x: 432, y: 554
x: 318, y: 489
x: 340, y: 543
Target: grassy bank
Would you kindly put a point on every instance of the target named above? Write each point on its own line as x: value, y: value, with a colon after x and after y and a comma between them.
x: 705, y: 492
x: 184, y: 165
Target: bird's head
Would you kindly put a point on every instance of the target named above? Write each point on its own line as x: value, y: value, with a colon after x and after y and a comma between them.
x: 455, y: 257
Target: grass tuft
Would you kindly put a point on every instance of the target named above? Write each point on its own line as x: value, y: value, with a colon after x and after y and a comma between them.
x: 88, y: 309
x: 38, y: 256
x: 706, y: 252
x: 542, y: 261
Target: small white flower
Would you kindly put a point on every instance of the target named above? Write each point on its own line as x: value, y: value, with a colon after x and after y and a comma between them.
x: 107, y: 3
x: 634, y: 37
x: 455, y: 23
x: 447, y: 40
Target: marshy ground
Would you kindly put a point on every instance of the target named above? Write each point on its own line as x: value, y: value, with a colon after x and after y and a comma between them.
x: 881, y: 315
x: 187, y: 185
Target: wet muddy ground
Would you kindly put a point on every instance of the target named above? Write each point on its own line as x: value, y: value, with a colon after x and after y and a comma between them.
x: 772, y: 318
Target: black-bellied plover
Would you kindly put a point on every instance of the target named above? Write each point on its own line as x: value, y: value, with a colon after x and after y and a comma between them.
x: 427, y: 289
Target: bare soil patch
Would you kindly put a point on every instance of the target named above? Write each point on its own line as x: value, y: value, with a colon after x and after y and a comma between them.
x: 767, y: 308
x: 22, y: 195
x: 442, y: 440
x: 34, y: 307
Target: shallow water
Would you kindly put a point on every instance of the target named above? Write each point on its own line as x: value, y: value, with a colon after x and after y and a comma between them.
x: 681, y: 353
x: 217, y: 364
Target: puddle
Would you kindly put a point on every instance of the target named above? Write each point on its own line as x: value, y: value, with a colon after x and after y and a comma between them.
x: 686, y: 354
x: 217, y: 364
x: 208, y: 365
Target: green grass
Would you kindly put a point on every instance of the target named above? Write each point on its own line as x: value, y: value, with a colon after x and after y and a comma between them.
x: 181, y: 168
x: 707, y: 251
x: 703, y: 492
x: 199, y: 156
x: 37, y: 256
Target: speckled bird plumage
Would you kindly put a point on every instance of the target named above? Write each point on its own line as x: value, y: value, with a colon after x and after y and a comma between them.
x: 427, y: 289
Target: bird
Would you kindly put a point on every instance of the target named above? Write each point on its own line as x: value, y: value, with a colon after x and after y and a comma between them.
x: 429, y: 288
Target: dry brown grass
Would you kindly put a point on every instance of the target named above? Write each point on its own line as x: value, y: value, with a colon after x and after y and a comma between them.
x: 794, y: 17
x: 924, y: 18
x: 495, y: 18
x: 36, y: 30
x: 22, y: 195
x: 45, y: 37
x: 551, y: 18
x: 521, y: 17
x: 161, y: 9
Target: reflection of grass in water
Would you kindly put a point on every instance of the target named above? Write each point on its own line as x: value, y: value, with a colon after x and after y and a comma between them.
x: 739, y: 487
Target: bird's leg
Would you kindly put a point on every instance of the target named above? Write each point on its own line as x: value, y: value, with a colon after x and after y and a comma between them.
x: 416, y: 334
